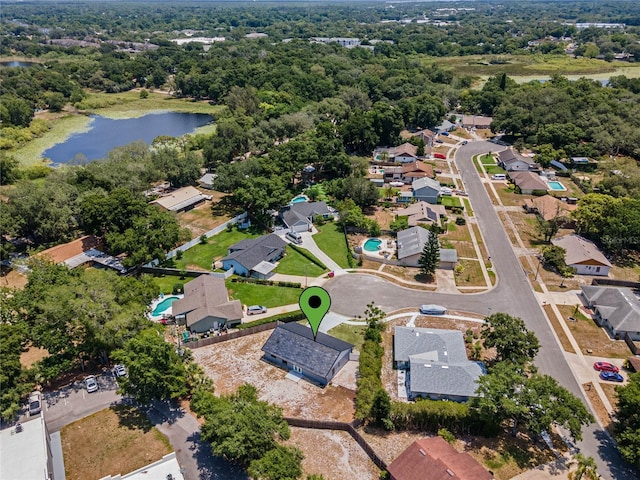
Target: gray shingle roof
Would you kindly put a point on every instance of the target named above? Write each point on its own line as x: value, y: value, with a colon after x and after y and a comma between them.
x: 619, y: 306
x: 304, y: 211
x: 206, y: 296
x: 448, y: 255
x: 294, y: 343
x: 438, y: 361
x: 250, y: 252
x: 425, y: 182
x: 411, y: 241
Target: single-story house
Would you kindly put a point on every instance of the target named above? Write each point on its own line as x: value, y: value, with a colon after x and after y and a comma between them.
x: 255, y: 257
x: 182, y: 199
x: 437, y: 457
x: 528, y: 182
x: 291, y: 346
x: 437, y: 362
x: 549, y: 208
x: 426, y: 135
x: 426, y: 189
x: 513, y: 161
x: 206, y: 305
x: 83, y: 251
x: 422, y: 212
x: 207, y: 180
x: 583, y: 255
x: 407, y: 152
x: 445, y: 126
x: 476, y: 121
x: 408, y: 172
x: 299, y: 216
x: 411, y: 242
x: 616, y: 309
x: 166, y: 468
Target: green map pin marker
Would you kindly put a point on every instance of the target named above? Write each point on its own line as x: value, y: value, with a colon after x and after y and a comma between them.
x: 314, y: 303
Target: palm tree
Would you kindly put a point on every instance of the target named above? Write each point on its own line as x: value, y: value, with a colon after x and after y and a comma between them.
x: 586, y: 468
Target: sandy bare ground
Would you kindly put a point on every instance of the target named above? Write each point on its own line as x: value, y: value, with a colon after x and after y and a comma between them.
x: 233, y: 363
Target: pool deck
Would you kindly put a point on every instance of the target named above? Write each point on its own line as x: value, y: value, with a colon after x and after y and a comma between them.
x: 158, y: 301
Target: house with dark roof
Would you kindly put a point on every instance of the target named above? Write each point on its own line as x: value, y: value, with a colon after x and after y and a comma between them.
x: 437, y: 457
x: 616, y: 309
x: 513, y: 161
x: 255, y: 257
x: 411, y: 242
x: 583, y: 255
x: 437, y: 363
x: 291, y: 346
x: 298, y: 217
x: 206, y: 305
x: 426, y: 190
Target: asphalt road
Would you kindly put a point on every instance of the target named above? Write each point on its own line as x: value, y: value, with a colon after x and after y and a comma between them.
x: 512, y: 294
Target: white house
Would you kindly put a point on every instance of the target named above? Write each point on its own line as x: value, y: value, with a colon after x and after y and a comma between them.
x: 583, y: 255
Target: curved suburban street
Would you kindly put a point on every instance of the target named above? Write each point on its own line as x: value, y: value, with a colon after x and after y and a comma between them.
x: 512, y: 294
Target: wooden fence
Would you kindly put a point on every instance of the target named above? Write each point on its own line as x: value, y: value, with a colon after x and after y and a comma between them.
x: 345, y: 427
x: 230, y: 336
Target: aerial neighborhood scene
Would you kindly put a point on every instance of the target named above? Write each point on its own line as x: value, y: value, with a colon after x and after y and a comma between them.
x: 319, y: 240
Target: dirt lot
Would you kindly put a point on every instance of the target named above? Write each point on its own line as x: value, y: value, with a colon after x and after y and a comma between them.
x: 333, y: 454
x: 233, y: 363
x: 201, y: 219
x: 13, y: 279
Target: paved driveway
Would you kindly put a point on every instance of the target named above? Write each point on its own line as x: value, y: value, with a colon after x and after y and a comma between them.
x: 512, y: 294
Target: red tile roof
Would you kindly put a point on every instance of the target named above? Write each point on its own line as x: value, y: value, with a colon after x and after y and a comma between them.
x: 442, y: 462
x: 62, y: 253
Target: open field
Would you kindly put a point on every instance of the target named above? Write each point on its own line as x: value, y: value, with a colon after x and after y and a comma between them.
x: 201, y: 219
x: 113, y: 441
x: 267, y: 295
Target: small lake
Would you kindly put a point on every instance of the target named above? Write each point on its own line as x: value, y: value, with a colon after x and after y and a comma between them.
x: 14, y: 64
x: 106, y: 133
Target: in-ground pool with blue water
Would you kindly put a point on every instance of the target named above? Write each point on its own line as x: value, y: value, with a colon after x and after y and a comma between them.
x: 299, y: 199
x: 372, y: 245
x: 163, y: 305
x: 553, y: 185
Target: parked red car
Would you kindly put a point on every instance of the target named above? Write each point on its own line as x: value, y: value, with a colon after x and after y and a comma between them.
x: 440, y: 155
x: 606, y: 367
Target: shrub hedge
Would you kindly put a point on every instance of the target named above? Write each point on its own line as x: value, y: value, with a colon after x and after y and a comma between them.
x: 260, y: 281
x: 282, y: 317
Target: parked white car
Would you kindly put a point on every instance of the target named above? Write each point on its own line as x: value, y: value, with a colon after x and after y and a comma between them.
x: 91, y: 384
x: 256, y: 309
x: 119, y: 370
x: 35, y: 403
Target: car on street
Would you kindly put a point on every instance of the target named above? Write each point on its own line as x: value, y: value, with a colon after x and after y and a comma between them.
x: 465, y: 142
x: 35, y: 403
x: 606, y: 367
x: 446, y: 134
x: 119, y: 370
x: 611, y: 376
x: 432, y: 310
x: 440, y: 156
x: 256, y: 309
x: 91, y: 384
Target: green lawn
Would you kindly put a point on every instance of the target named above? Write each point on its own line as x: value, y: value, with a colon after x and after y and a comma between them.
x: 451, y: 201
x: 247, y: 293
x: 467, y: 206
x: 476, y: 162
x: 203, y: 255
x: 493, y: 169
x: 330, y: 239
x: 487, y: 159
x: 269, y: 296
x: 353, y: 334
x: 294, y: 263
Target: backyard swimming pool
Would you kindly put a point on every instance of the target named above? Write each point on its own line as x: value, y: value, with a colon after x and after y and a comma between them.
x: 163, y: 306
x: 300, y: 199
x: 372, y: 245
x: 555, y: 185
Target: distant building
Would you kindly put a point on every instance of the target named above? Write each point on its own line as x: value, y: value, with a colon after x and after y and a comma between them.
x: 422, y: 212
x: 342, y: 41
x: 207, y: 180
x: 291, y: 346
x: 182, y: 199
x: 513, y: 161
x: 476, y: 121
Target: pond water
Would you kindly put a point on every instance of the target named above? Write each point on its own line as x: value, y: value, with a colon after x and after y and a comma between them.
x: 14, y: 64
x: 106, y: 133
